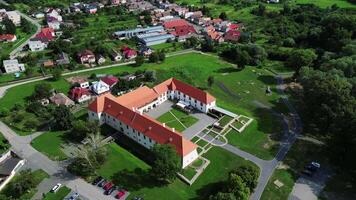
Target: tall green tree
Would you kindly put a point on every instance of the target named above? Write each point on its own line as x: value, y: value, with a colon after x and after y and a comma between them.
x: 62, y: 118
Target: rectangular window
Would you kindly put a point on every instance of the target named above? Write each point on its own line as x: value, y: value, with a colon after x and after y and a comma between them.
x: 150, y: 140
x: 144, y: 137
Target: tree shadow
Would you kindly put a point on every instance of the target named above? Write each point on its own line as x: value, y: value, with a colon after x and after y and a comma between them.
x: 209, y: 189
x: 134, y: 180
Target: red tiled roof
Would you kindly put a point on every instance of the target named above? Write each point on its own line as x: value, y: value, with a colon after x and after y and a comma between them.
x: 110, y: 80
x: 175, y: 23
x: 46, y: 33
x: 77, y: 92
x: 183, y: 30
x: 138, y: 98
x: 142, y: 123
x: 234, y: 26
x: 86, y: 52
x: 7, y: 37
x: 232, y: 35
x: 174, y: 84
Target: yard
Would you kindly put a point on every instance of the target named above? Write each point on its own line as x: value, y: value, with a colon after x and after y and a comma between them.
x: 49, y: 143
x: 131, y: 173
x: 59, y: 195
x: 177, y: 119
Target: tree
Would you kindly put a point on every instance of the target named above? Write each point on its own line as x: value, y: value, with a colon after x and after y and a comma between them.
x: 249, y: 175
x: 222, y: 196
x: 56, y: 74
x: 139, y: 60
x: 10, y: 27
x: 223, y: 16
x: 43, y: 90
x: 210, y: 81
x: 242, y: 59
x: 81, y: 167
x: 26, y: 26
x: 161, y: 56
x: 32, y: 123
x: 153, y: 58
x: 62, y: 118
x: 20, y: 186
x: 82, y: 129
x: 236, y: 185
x: 166, y: 163
x: 301, y: 58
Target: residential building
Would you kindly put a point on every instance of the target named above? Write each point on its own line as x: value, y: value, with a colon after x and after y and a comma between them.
x: 81, y: 81
x: 48, y: 63
x: 14, y: 17
x: 91, y: 9
x: 53, y: 13
x: 183, y: 32
x: 128, y: 53
x: 36, y: 44
x: 110, y: 80
x: 13, y: 66
x: 232, y: 36
x: 170, y: 25
x: 86, y: 56
x: 46, y: 34
x: 63, y: 59
x: 10, y: 164
x: 100, y: 87
x: 100, y: 59
x: 126, y: 114
x: 8, y: 38
x: 53, y: 23
x: 61, y: 99
x: 79, y: 94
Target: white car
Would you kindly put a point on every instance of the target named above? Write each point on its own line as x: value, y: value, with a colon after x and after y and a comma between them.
x: 56, y: 188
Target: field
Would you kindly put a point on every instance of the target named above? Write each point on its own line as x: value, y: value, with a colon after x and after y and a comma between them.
x: 59, y: 195
x: 50, y: 144
x: 131, y: 173
x: 177, y: 119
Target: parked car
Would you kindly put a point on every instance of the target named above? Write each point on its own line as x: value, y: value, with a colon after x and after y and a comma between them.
x: 313, y: 166
x: 56, y: 188
x: 74, y: 196
x: 102, y: 183
x: 97, y: 180
x: 108, y: 186
x: 111, y: 190
x: 120, y: 194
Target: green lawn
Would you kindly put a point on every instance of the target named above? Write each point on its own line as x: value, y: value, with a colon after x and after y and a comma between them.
x: 172, y: 121
x: 4, y: 144
x: 50, y: 144
x: 59, y: 195
x: 119, y: 159
x: 328, y: 3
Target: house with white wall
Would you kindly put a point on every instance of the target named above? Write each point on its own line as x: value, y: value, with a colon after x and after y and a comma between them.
x: 126, y: 114
x: 13, y: 66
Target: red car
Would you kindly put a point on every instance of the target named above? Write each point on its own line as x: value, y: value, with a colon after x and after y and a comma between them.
x: 120, y: 194
x: 108, y: 186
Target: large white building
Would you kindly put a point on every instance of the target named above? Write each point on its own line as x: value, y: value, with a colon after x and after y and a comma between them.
x: 126, y: 114
x: 13, y: 66
x: 14, y: 17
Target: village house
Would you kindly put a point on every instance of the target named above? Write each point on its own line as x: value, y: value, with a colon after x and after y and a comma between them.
x: 100, y: 59
x: 79, y: 94
x: 53, y: 23
x: 61, y: 99
x: 128, y: 53
x: 111, y: 81
x: 63, y: 59
x: 86, y: 56
x: 13, y: 66
x: 126, y: 114
x: 100, y: 87
x: 81, y: 81
x: 53, y: 13
x: 36, y: 44
x: 8, y: 38
x: 14, y: 17
x: 48, y: 63
x: 232, y: 36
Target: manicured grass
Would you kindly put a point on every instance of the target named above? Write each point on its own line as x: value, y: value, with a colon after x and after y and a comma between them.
x: 172, y: 121
x: 4, y: 144
x: 202, y: 143
x: 59, y: 195
x: 119, y: 159
x: 50, y: 144
x: 221, y: 163
x: 225, y: 120
x: 189, y: 172
x: 301, y: 153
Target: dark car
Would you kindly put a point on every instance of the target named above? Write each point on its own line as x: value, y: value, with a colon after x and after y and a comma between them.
x: 313, y: 166
x: 97, y: 180
x: 111, y: 190
x: 102, y: 183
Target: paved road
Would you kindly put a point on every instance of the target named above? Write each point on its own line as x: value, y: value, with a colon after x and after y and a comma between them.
x: 57, y: 170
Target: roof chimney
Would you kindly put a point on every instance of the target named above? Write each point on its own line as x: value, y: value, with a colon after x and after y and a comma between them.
x: 173, y: 129
x: 133, y: 108
x: 164, y: 124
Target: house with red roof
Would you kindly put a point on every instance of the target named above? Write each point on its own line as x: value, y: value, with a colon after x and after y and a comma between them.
x: 79, y: 94
x: 232, y: 36
x: 183, y: 31
x: 47, y: 34
x: 110, y: 80
x: 8, y: 38
x: 86, y: 56
x: 128, y: 53
x: 126, y: 114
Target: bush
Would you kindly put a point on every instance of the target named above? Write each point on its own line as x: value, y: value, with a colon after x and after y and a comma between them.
x: 81, y: 167
x: 4, y: 112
